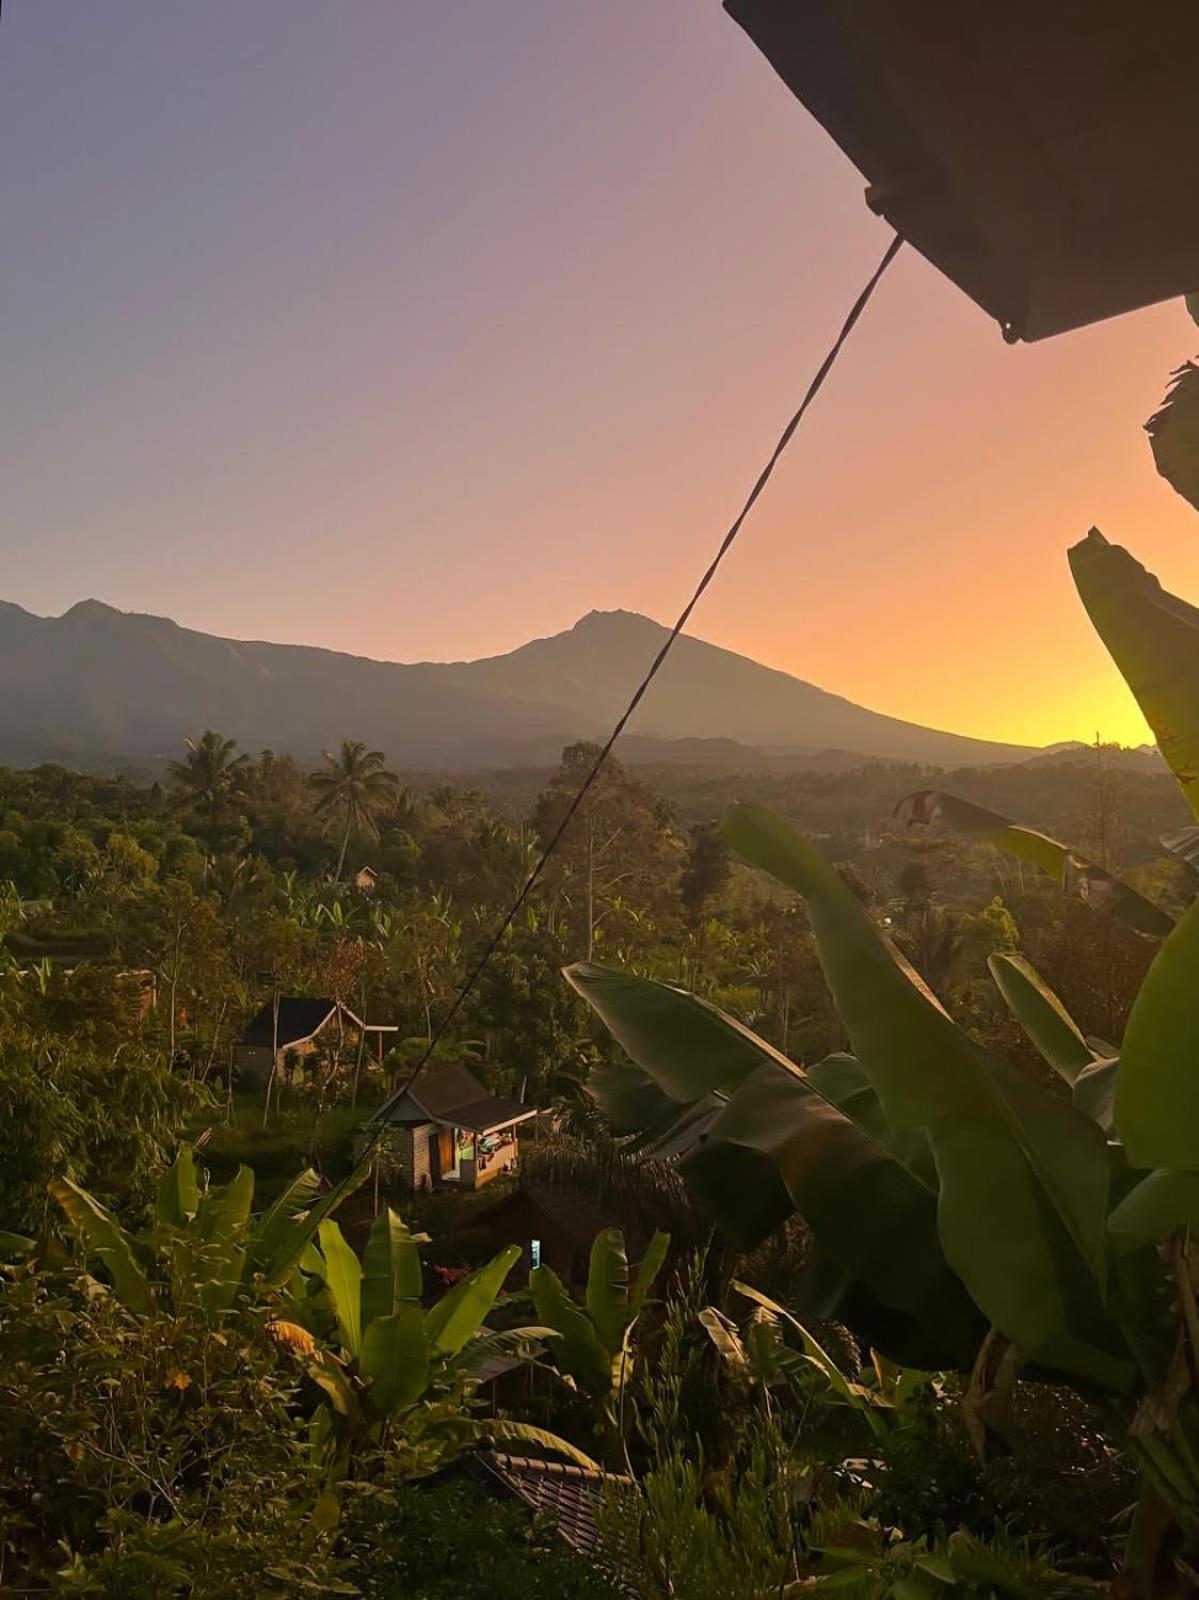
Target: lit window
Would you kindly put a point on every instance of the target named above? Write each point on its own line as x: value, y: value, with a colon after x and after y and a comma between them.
x: 535, y: 1251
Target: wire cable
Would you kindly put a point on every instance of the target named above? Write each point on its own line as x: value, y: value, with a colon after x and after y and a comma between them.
x: 726, y: 544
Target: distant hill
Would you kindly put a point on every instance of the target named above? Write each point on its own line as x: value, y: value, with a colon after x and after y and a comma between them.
x: 98, y: 686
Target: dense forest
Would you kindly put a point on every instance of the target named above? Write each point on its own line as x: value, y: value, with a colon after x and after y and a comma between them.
x: 210, y: 1384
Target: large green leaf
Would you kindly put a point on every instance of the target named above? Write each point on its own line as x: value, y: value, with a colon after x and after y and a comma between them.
x: 225, y: 1212
x: 1153, y: 637
x: 1091, y: 883
x: 499, y: 1430
x: 608, y: 1288
x: 780, y: 1143
x: 647, y: 1271
x: 391, y: 1268
x: 1157, y: 1082
x: 688, y: 1053
x: 459, y: 1314
x: 276, y: 1251
x: 222, y: 1221
x: 178, y: 1191
x: 395, y: 1359
x: 1023, y: 1176
x: 577, y: 1350
x: 1163, y: 1203
x: 342, y: 1273
x: 651, y: 1122
x: 1095, y: 1093
x: 273, y: 1231
x: 1042, y: 1015
x: 1174, y: 433
x: 106, y: 1239
x: 869, y: 1213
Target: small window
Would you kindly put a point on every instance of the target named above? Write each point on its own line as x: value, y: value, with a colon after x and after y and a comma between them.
x: 535, y: 1252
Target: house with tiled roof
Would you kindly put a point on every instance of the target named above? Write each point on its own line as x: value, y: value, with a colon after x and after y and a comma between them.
x: 291, y: 1026
x: 445, y: 1128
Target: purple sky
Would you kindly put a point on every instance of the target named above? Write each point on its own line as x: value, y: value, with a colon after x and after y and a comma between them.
x: 418, y: 329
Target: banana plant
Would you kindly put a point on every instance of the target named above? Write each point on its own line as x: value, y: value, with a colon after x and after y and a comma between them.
x: 1074, y: 873
x: 203, y: 1249
x: 392, y: 1369
x: 594, y: 1340
x: 944, y: 1185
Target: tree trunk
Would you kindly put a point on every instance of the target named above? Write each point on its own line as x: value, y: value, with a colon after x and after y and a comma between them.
x: 270, y: 1082
x: 590, y: 890
x: 345, y: 845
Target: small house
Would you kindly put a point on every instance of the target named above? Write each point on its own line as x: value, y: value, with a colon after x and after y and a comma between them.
x: 292, y: 1026
x: 554, y: 1226
x: 365, y: 879
x: 446, y: 1128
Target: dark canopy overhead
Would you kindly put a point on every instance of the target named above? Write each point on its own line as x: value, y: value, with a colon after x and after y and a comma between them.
x: 1044, y: 154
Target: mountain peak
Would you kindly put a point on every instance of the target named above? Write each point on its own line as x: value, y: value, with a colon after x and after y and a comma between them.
x: 83, y: 610
x: 102, y: 680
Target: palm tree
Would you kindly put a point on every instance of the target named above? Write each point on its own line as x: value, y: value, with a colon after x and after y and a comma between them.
x: 354, y: 786
x: 209, y: 773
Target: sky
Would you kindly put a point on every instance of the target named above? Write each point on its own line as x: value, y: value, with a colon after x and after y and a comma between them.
x: 419, y: 330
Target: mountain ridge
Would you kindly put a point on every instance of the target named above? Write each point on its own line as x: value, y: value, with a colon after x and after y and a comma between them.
x: 106, y: 683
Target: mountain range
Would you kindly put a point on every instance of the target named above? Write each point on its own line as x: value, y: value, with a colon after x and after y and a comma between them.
x: 99, y: 687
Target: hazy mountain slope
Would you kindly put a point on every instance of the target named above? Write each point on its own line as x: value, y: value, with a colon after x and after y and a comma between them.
x: 705, y: 692
x: 97, y: 682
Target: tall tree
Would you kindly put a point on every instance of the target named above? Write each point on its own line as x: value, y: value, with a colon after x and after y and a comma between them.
x: 210, y: 773
x: 620, y: 851
x: 354, y: 787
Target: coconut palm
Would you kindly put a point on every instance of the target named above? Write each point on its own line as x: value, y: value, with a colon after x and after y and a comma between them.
x: 353, y: 787
x: 210, y: 773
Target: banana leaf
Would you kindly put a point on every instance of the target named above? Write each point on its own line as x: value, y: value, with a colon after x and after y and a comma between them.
x: 1153, y: 637
x: 497, y: 1430
x: 105, y: 1238
x: 391, y: 1268
x: 225, y: 1212
x: 689, y: 1053
x: 1023, y: 1176
x: 779, y: 1145
x: 1173, y: 432
x: 342, y: 1273
x: 647, y: 1272
x: 871, y: 1215
x: 608, y: 1288
x: 1042, y: 1016
x: 1094, y: 1093
x: 1157, y: 1084
x: 395, y: 1359
x: 1160, y: 1205
x: 178, y: 1191
x: 577, y: 1350
x: 461, y: 1312
x: 1072, y: 872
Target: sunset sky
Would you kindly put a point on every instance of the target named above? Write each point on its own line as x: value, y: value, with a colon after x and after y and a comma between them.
x: 420, y: 329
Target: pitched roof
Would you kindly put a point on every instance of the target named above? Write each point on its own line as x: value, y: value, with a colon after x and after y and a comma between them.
x: 576, y: 1215
x: 454, y: 1096
x: 299, y: 1018
x: 571, y: 1495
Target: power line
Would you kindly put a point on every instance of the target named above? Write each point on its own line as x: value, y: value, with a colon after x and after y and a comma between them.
x: 725, y: 546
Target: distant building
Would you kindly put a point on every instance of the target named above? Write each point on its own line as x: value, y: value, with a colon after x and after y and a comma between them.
x: 294, y: 1027
x: 365, y: 879
x: 446, y: 1128
x: 554, y: 1226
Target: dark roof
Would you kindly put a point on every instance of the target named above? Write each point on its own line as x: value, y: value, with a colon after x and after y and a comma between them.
x: 570, y: 1495
x: 573, y: 1214
x: 299, y: 1018
x: 1036, y: 154
x: 454, y: 1096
